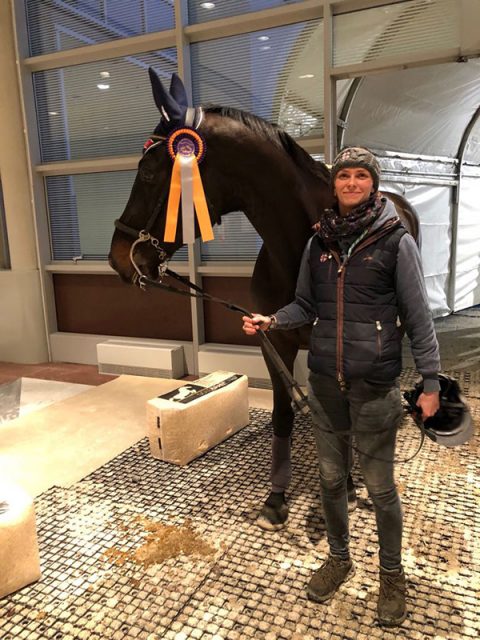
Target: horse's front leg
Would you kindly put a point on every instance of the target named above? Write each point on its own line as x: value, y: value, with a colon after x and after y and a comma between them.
x: 274, y: 513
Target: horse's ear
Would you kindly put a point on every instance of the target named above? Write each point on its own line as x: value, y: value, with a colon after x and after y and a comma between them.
x: 166, y: 103
x: 177, y: 90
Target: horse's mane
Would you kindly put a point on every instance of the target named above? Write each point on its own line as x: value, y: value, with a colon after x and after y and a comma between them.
x: 273, y: 133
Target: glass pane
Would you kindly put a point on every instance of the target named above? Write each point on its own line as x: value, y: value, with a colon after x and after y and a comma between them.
x: 235, y: 239
x: 99, y: 109
x: 405, y: 27
x: 199, y: 11
x: 82, y: 210
x: 92, y: 21
x: 275, y: 73
x: 159, y: 15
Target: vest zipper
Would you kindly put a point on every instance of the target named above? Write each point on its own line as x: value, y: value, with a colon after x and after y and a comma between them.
x: 340, y: 288
x: 340, y: 291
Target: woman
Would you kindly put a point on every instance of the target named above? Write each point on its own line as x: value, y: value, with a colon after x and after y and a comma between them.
x: 359, y: 280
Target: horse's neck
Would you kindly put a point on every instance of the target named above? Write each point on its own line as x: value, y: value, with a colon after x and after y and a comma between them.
x: 282, y: 211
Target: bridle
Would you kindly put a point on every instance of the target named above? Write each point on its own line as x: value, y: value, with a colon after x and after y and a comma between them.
x: 193, y: 119
x: 141, y: 236
x: 144, y: 234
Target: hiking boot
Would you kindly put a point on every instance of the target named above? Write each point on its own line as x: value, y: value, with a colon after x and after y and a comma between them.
x: 325, y: 582
x: 274, y: 513
x: 391, y: 607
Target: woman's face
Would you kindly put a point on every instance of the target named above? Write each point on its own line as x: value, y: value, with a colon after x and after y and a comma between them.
x: 352, y: 185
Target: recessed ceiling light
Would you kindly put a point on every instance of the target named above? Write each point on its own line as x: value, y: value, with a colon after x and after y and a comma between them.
x: 306, y: 75
x: 265, y: 47
x: 263, y: 38
x: 105, y: 74
x: 207, y: 5
x: 103, y: 86
x: 53, y: 113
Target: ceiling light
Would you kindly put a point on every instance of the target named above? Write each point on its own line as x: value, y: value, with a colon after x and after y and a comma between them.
x: 53, y: 113
x: 207, y: 5
x: 105, y: 74
x: 263, y: 38
x: 306, y: 75
x: 103, y: 86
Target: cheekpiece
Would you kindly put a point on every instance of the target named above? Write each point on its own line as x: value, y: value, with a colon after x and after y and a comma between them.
x: 151, y: 143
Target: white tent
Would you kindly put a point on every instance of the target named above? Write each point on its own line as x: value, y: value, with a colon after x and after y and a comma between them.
x: 429, y: 116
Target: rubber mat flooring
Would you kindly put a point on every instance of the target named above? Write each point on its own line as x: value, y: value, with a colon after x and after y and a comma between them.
x: 215, y: 575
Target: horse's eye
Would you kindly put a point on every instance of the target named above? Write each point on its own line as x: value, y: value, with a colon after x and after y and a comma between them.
x: 146, y: 175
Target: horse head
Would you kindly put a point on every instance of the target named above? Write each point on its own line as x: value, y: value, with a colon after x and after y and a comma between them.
x: 138, y: 246
x: 246, y: 160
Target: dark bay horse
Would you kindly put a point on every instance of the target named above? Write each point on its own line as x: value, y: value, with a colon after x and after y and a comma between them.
x: 250, y: 166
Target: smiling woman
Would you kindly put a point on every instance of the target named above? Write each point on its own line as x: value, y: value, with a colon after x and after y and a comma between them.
x: 355, y: 176
x: 352, y: 187
x: 357, y: 309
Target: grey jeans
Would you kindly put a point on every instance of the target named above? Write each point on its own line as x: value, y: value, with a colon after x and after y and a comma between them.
x: 373, y: 412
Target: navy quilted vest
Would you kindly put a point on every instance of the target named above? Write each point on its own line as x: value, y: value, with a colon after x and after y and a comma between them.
x: 356, y: 333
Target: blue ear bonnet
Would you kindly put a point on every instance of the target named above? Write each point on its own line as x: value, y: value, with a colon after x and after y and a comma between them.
x: 173, y: 105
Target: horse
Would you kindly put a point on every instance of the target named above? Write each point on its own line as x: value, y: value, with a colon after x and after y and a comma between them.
x: 255, y: 167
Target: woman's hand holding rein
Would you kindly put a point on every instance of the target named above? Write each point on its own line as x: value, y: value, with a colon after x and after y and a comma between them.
x: 255, y: 323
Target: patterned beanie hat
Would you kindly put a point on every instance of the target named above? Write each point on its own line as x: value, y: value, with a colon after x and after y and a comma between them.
x: 357, y: 157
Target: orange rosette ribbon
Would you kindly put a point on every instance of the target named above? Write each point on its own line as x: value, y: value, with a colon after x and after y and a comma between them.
x: 186, y: 148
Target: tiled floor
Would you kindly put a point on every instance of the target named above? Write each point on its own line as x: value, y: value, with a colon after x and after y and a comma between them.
x: 234, y: 581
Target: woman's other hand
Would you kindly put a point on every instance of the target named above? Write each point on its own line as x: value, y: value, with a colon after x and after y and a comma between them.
x: 429, y: 404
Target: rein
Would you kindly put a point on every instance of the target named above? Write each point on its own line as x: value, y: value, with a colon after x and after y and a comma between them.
x: 299, y: 399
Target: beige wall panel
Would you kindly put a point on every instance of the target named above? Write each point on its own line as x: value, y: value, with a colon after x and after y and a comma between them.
x: 22, y: 325
x: 22, y: 334
x: 13, y: 155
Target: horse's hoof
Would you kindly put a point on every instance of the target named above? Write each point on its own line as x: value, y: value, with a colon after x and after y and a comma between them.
x: 274, y: 513
x: 352, y: 501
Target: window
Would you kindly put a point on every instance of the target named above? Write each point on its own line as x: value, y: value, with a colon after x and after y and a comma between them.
x: 82, y: 210
x: 57, y: 25
x: 199, y: 11
x: 99, y: 108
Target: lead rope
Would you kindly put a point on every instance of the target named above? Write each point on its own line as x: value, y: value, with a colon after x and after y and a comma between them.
x: 299, y: 399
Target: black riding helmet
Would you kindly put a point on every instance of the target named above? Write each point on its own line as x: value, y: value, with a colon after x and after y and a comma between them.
x: 452, y: 425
